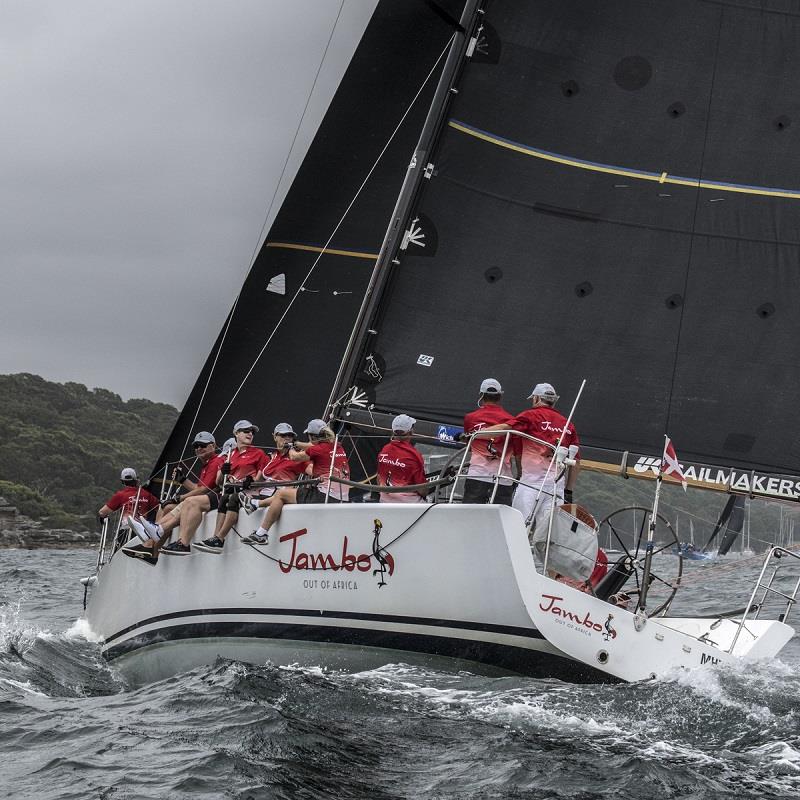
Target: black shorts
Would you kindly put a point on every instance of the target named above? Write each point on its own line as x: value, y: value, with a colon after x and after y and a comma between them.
x: 310, y: 494
x: 481, y: 492
x: 213, y: 500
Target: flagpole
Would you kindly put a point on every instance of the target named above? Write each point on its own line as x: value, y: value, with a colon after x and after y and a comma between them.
x: 651, y: 532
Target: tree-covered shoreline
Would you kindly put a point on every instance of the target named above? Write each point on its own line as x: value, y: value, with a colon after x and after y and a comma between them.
x: 62, y: 446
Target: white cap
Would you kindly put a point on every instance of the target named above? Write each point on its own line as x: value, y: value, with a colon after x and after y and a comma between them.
x: 128, y: 474
x: 243, y: 424
x: 315, y: 427
x: 491, y: 386
x: 545, y: 391
x: 283, y: 429
x: 403, y: 423
x: 203, y: 437
x: 229, y: 445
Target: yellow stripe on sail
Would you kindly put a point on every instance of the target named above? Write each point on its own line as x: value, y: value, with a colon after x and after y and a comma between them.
x: 326, y: 250
x: 641, y: 175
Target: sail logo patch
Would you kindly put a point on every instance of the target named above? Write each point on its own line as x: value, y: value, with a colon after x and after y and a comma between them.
x: 448, y: 433
x: 738, y: 481
x: 425, y: 361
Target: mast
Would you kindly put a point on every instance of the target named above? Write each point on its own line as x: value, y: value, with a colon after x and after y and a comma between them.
x: 461, y: 46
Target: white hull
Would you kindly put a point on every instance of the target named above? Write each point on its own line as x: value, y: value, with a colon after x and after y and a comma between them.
x: 459, y: 584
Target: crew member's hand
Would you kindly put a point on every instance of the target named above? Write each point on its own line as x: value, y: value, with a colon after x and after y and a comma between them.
x: 247, y: 482
x: 226, y: 468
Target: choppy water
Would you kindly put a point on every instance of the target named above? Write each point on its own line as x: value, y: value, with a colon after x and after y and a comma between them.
x: 71, y: 728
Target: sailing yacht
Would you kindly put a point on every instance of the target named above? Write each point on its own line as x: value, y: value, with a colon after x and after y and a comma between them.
x: 539, y: 192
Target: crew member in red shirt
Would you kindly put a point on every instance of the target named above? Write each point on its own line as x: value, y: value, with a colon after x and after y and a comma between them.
x: 132, y: 500
x: 485, y: 452
x: 243, y: 465
x: 539, y: 483
x: 203, y: 496
x: 279, y: 468
x: 326, y: 458
x: 400, y: 464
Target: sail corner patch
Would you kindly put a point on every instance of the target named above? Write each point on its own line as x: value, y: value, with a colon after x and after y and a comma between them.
x: 425, y: 361
x: 277, y: 284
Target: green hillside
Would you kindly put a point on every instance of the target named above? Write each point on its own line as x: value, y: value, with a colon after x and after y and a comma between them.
x: 62, y: 445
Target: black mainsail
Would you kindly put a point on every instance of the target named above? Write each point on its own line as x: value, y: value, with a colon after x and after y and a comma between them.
x: 615, y: 196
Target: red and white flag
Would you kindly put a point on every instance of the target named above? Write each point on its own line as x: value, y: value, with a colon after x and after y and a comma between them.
x: 670, y: 467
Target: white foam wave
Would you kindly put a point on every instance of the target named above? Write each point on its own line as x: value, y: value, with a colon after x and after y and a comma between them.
x: 25, y: 686
x: 81, y: 629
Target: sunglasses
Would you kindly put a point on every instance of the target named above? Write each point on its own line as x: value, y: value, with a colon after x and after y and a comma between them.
x: 200, y: 445
x: 245, y: 430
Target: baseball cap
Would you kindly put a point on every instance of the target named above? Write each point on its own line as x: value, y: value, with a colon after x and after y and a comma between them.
x: 203, y: 437
x: 544, y: 390
x: 491, y: 386
x: 283, y: 428
x: 128, y: 474
x: 229, y: 443
x: 315, y: 427
x: 403, y: 423
x: 243, y: 424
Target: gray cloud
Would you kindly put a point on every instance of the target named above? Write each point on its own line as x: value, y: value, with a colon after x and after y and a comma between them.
x: 140, y: 145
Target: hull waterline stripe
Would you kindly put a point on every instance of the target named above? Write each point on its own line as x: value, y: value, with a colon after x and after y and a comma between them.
x: 625, y: 172
x: 326, y: 250
x: 508, y: 630
x: 524, y: 661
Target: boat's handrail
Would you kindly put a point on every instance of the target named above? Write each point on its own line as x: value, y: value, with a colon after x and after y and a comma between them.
x: 506, y: 434
x: 109, y: 536
x: 754, y: 608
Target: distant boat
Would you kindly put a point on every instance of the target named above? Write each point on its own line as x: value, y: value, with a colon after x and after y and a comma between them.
x: 688, y: 551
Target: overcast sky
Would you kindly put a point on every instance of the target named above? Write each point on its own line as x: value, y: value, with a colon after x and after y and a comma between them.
x: 141, y: 142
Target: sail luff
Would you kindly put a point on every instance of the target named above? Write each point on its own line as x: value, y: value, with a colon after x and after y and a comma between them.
x: 415, y: 174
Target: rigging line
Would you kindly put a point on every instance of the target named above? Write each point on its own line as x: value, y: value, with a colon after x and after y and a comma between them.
x: 336, y: 228
x: 254, y: 254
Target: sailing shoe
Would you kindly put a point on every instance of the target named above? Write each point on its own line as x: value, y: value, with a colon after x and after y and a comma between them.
x: 138, y: 550
x: 138, y: 529
x: 256, y: 538
x: 249, y: 504
x: 154, y: 532
x: 176, y: 549
x: 212, y: 545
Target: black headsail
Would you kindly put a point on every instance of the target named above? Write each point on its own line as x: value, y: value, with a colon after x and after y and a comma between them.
x: 616, y: 197
x: 291, y: 378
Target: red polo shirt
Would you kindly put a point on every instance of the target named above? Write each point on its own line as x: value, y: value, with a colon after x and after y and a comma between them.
x: 208, y: 474
x: 485, y: 452
x: 282, y: 468
x: 544, y: 423
x: 400, y: 464
x: 126, y: 500
x: 321, y: 455
x: 247, y: 462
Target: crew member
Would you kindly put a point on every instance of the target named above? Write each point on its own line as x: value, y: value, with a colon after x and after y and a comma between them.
x: 132, y: 499
x: 203, y: 497
x: 486, y: 452
x: 242, y: 466
x: 400, y: 464
x: 326, y: 459
x: 279, y: 468
x: 539, y: 483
